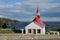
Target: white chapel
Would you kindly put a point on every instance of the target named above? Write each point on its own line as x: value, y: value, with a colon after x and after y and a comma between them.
x: 36, y: 26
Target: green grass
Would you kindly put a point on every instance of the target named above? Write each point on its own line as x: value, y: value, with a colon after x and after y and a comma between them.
x: 6, y: 31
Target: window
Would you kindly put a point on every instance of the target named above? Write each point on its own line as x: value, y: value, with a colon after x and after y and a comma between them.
x: 38, y: 30
x: 29, y: 30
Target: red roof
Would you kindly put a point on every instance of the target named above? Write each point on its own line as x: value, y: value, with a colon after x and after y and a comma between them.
x: 38, y: 21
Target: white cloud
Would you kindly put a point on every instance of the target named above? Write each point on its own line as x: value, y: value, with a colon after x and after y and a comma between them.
x: 27, y: 6
x: 38, y: 1
x: 18, y: 3
x: 15, y: 11
x: 30, y: 4
x: 53, y: 19
x: 55, y: 9
x: 3, y: 5
x: 43, y: 4
x: 50, y: 18
x: 2, y: 16
x: 26, y: 19
x: 16, y: 8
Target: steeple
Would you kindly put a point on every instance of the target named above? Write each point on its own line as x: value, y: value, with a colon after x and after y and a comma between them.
x: 38, y: 12
x: 37, y: 19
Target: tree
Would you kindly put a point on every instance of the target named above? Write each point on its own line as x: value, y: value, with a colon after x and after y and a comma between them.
x: 4, y: 25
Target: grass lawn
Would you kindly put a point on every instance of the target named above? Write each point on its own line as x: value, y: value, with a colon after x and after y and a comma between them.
x: 6, y: 31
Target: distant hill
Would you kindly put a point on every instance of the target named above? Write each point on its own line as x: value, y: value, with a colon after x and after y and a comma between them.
x: 7, y: 22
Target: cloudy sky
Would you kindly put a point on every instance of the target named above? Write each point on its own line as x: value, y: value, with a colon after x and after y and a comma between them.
x: 25, y: 10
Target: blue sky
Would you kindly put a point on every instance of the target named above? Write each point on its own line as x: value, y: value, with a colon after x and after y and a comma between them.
x: 25, y: 10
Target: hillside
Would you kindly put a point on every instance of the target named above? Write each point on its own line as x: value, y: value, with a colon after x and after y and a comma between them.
x: 6, y: 22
